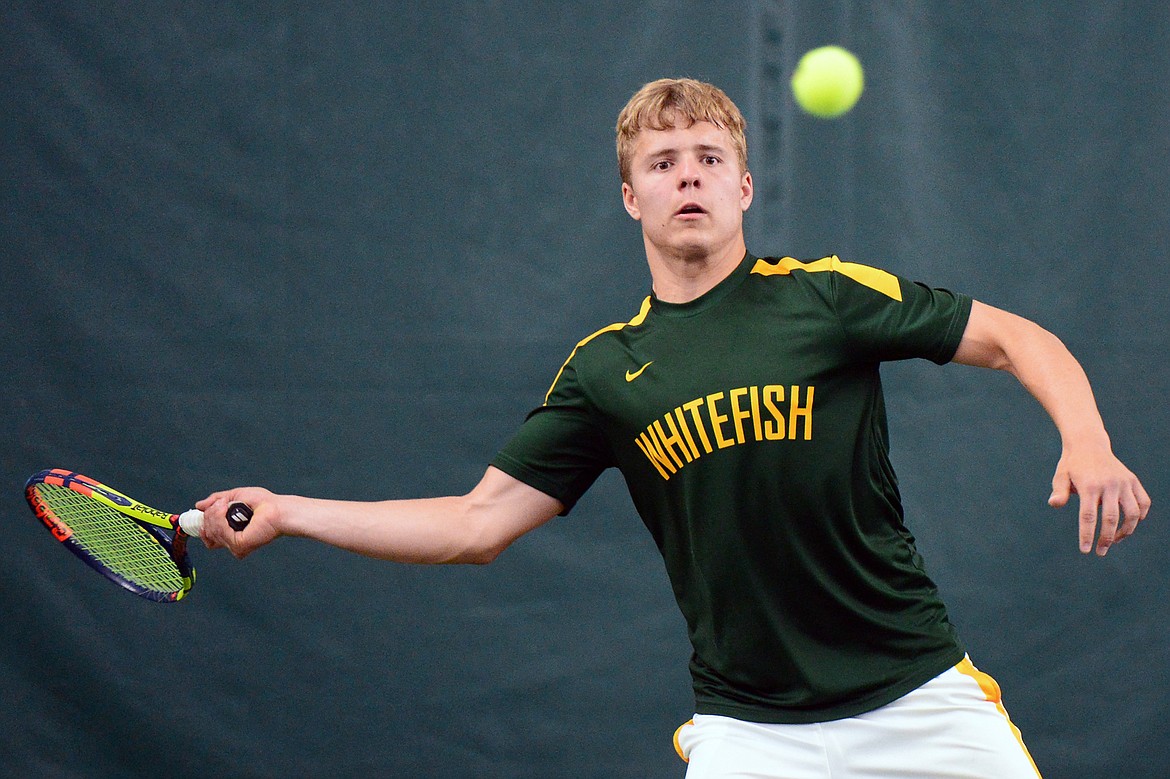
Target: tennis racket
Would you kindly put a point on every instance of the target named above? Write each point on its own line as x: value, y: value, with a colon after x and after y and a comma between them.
x: 131, y: 544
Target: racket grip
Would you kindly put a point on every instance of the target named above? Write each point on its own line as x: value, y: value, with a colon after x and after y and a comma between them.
x: 192, y: 522
x: 238, y: 516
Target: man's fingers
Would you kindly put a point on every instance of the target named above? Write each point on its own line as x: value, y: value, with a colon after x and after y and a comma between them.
x: 1110, y: 517
x: 1135, y: 505
x: 1088, y: 522
x: 1143, y: 499
x: 210, y: 500
x: 1061, y: 489
x: 210, y: 506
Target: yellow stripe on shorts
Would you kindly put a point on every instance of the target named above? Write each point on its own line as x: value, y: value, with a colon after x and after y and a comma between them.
x: 994, y: 694
x: 678, y: 746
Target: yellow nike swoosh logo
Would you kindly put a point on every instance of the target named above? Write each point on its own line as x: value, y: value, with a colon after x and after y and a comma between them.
x: 635, y: 374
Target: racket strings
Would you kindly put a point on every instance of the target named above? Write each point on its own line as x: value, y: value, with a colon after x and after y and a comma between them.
x: 114, y: 540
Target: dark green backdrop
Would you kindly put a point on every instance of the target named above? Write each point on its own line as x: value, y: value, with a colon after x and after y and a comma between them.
x: 341, y: 251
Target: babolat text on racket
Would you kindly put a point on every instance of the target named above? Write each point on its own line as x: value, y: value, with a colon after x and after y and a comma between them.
x: 139, y: 547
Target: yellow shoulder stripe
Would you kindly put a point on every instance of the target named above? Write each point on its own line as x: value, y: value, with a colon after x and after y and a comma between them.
x: 637, y: 320
x: 874, y: 278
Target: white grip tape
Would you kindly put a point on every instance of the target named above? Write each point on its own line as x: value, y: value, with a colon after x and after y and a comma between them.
x: 191, y: 522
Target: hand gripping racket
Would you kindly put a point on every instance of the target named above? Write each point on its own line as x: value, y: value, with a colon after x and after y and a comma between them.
x: 139, y: 547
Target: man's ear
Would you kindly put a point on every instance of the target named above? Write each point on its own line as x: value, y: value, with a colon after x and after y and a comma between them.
x: 630, y: 201
x: 747, y: 191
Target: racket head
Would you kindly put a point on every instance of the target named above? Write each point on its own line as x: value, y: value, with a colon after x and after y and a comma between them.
x: 118, y: 537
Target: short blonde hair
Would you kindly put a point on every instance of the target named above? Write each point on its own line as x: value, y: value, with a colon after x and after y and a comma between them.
x: 661, y: 104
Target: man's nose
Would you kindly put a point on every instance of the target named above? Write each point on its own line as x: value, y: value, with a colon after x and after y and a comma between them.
x: 689, y: 175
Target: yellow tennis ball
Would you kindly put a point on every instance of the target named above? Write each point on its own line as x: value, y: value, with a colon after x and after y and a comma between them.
x: 827, y: 81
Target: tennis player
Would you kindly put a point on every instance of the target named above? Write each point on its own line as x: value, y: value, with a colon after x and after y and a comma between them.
x: 742, y: 404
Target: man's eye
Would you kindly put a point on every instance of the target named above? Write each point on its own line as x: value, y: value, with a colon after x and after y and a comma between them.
x: 710, y: 160
x: 662, y: 165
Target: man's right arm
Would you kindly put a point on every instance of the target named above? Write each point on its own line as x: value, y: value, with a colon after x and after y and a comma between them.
x: 472, y: 528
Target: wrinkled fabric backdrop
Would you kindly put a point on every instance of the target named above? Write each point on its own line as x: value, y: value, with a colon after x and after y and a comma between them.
x: 342, y: 251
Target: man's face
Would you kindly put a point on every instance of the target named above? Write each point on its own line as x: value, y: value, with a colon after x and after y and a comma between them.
x: 687, y: 190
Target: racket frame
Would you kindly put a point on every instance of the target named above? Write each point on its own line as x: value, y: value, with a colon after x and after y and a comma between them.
x: 155, y: 522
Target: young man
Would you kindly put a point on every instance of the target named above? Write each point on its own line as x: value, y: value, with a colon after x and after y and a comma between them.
x: 743, y: 406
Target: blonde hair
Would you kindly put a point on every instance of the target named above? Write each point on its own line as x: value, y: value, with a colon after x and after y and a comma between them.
x: 661, y: 104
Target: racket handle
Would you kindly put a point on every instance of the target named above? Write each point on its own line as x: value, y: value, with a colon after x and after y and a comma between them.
x: 238, y: 516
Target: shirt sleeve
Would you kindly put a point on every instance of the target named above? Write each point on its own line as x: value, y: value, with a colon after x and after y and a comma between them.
x: 899, y: 319
x: 560, y: 449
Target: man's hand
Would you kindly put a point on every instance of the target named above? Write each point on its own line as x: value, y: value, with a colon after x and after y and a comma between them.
x: 260, y: 531
x: 1106, y: 488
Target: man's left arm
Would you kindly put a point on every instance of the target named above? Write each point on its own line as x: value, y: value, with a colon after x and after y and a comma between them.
x: 1037, y: 358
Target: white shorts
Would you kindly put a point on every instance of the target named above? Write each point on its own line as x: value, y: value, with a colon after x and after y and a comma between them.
x: 952, y: 727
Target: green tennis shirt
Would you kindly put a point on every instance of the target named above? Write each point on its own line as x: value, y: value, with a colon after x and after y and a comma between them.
x: 750, y: 427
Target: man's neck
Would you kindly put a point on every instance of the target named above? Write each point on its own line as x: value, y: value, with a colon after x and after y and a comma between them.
x: 683, y: 278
